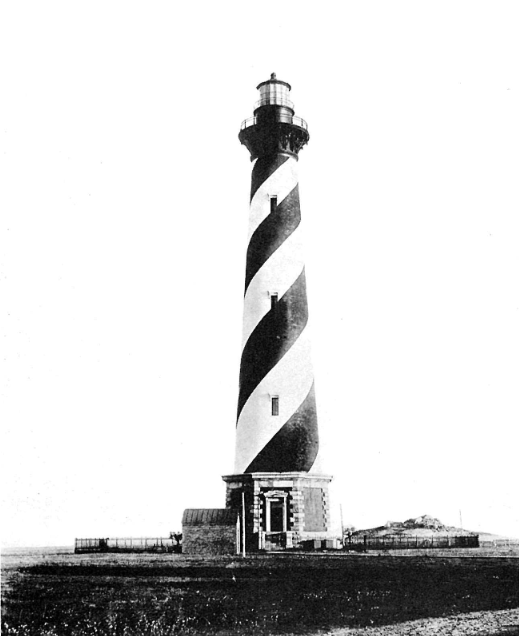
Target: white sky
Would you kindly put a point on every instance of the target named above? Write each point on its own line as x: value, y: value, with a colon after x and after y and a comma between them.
x: 124, y: 203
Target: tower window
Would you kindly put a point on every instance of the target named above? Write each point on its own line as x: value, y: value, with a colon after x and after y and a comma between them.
x: 275, y: 405
x: 274, y: 301
x: 273, y: 203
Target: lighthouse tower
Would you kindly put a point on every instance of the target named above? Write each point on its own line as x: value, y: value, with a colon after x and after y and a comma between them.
x: 277, y: 482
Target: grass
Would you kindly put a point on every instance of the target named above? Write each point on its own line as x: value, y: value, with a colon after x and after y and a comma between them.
x: 274, y: 595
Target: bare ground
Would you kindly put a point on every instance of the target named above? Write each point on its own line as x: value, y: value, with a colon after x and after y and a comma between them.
x: 494, y: 623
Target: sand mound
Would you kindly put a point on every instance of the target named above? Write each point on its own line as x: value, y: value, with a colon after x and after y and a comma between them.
x: 419, y: 526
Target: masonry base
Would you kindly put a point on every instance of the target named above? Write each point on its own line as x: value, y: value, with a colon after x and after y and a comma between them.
x: 282, y: 510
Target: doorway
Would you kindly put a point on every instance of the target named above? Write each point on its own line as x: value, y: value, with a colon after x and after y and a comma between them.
x: 277, y: 512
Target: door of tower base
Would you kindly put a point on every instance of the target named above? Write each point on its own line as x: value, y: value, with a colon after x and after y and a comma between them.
x: 270, y: 541
x: 281, y: 509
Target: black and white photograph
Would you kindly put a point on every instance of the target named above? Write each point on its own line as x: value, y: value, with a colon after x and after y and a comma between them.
x: 259, y: 278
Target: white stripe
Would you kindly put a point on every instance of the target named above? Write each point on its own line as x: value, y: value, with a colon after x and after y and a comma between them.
x: 280, y: 183
x: 277, y: 274
x: 291, y: 379
x: 317, y: 466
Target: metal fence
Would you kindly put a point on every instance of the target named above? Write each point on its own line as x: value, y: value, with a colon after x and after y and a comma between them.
x: 406, y: 542
x: 499, y: 543
x: 130, y: 544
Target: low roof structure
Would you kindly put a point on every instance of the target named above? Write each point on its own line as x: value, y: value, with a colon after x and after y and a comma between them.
x: 209, y: 517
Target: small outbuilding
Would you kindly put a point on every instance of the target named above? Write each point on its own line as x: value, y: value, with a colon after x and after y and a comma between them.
x: 210, y: 531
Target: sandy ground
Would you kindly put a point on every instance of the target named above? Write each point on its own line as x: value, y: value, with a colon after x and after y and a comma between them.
x: 495, y: 623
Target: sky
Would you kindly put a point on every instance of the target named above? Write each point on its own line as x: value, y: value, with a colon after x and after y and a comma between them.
x: 124, y: 212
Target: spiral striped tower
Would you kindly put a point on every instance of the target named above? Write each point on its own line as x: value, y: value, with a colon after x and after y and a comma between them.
x: 277, y: 442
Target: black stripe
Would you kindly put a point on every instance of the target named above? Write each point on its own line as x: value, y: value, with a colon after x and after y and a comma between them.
x: 263, y: 168
x: 272, y: 232
x: 273, y: 336
x: 294, y: 447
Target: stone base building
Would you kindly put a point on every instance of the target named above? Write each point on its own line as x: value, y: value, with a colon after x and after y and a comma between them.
x: 210, y: 531
x: 282, y: 510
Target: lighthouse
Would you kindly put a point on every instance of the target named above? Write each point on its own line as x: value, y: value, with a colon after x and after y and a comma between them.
x: 277, y: 483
